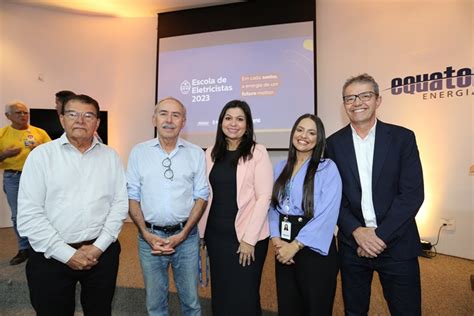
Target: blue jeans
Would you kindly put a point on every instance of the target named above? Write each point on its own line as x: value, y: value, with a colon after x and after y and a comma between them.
x: 184, y: 263
x: 11, y: 184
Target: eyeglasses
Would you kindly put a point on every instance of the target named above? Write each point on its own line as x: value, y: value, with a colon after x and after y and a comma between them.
x: 20, y: 113
x: 363, y: 97
x: 169, y: 174
x: 73, y: 115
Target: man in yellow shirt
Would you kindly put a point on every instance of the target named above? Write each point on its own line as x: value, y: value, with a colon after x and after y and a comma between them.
x: 17, y: 140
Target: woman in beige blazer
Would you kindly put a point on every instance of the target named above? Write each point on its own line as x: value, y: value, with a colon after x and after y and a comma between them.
x: 235, y: 223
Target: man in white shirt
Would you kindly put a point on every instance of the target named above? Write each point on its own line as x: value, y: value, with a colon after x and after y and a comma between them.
x: 71, y: 205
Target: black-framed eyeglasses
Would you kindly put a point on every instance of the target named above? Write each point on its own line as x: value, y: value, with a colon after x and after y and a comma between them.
x: 363, y: 97
x: 73, y: 115
x: 169, y: 174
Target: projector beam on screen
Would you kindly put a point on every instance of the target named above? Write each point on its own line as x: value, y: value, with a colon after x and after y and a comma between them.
x: 270, y: 67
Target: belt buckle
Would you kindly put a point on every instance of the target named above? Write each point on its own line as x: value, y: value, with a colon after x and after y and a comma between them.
x: 174, y: 228
x: 167, y: 229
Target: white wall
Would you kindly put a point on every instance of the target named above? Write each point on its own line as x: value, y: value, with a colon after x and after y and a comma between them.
x: 114, y: 61
x: 110, y: 59
x: 390, y: 39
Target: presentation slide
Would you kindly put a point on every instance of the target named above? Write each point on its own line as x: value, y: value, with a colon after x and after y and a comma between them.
x: 269, y: 67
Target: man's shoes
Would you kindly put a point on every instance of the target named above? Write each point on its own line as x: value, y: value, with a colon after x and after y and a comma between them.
x: 20, y: 257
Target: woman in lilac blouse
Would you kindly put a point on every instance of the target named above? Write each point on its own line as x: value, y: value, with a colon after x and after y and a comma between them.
x: 303, y: 215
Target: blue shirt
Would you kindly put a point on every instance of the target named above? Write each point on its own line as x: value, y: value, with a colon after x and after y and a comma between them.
x: 164, y: 201
x: 317, y: 234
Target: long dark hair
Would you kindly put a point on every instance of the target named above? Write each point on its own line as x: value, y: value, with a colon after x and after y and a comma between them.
x: 247, y: 143
x: 279, y: 189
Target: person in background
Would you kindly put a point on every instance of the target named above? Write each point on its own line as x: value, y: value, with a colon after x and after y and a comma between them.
x: 382, y: 193
x: 304, y: 209
x: 235, y: 223
x: 61, y: 97
x: 167, y: 191
x: 71, y: 205
x: 17, y: 140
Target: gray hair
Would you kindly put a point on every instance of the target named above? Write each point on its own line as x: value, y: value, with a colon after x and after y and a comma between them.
x: 171, y: 99
x: 9, y: 106
x: 362, y: 78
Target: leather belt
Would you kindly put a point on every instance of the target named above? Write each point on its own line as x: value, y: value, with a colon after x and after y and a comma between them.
x: 78, y: 245
x: 166, y: 229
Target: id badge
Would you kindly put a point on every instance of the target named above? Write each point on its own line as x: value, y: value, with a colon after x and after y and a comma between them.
x: 286, y: 230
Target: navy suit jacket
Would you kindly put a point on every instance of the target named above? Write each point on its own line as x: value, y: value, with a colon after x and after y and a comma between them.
x: 397, y: 188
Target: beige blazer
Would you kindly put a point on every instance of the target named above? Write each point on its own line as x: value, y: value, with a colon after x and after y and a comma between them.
x: 254, y: 191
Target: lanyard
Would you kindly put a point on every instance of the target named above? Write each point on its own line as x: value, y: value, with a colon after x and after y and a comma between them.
x: 288, y: 188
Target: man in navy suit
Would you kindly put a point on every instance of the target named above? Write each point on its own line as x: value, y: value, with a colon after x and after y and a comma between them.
x: 382, y: 192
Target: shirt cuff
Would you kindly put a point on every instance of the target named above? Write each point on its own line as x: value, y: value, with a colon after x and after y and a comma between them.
x: 134, y: 197
x: 103, y: 242
x: 203, y: 197
x: 62, y: 253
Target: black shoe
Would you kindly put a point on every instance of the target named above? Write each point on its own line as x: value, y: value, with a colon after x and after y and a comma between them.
x: 20, y: 257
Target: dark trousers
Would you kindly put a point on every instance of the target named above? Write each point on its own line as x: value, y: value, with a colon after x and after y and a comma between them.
x: 308, y: 286
x: 52, y: 284
x: 235, y: 290
x: 400, y: 282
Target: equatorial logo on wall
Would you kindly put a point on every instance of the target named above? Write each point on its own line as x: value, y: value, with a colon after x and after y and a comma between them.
x: 450, y: 83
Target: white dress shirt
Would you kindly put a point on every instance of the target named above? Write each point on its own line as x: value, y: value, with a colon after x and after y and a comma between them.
x: 364, y: 150
x: 66, y: 197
